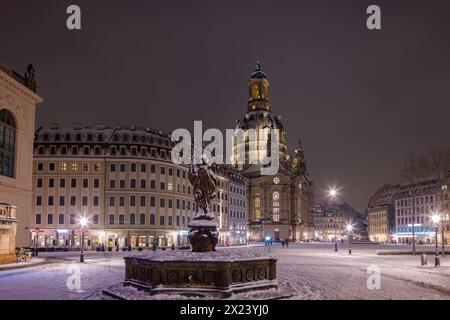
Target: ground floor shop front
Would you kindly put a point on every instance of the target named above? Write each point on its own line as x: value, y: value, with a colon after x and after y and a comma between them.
x: 107, y: 238
x: 278, y: 232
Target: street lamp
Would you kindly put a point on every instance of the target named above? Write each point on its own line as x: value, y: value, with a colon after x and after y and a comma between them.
x: 436, y: 218
x: 349, y: 228
x: 83, y: 223
x: 332, y: 193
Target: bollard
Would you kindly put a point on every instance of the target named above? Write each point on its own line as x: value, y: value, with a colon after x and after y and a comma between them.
x: 437, y: 261
x: 423, y: 259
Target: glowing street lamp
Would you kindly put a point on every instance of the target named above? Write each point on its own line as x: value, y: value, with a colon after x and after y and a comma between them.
x: 83, y: 223
x: 332, y: 193
x: 436, y: 218
x: 349, y: 229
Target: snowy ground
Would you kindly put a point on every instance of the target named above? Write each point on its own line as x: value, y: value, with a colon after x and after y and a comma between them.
x: 312, y: 271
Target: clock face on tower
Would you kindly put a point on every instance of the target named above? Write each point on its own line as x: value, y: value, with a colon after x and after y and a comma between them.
x: 276, y: 180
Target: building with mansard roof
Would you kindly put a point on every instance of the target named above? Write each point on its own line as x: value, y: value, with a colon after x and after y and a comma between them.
x: 122, y: 179
x: 280, y: 205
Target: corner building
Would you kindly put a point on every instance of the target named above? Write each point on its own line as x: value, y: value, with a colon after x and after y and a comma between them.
x: 124, y: 182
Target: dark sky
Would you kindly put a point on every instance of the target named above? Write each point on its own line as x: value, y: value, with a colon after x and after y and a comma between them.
x: 360, y: 100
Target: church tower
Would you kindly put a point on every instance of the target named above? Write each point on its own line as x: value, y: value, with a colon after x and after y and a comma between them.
x: 258, y: 88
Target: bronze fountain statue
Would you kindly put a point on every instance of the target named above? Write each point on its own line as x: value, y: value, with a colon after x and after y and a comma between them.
x: 203, y: 235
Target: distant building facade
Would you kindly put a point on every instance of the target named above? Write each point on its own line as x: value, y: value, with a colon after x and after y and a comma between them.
x: 381, y: 214
x: 123, y: 181
x: 18, y: 100
x: 331, y: 219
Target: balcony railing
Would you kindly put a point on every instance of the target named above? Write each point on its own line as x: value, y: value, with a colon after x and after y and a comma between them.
x: 30, y: 84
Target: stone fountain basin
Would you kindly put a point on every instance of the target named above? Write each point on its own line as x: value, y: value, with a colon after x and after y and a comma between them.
x: 219, y: 273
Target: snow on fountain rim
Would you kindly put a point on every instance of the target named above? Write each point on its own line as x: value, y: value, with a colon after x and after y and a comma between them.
x: 219, y: 255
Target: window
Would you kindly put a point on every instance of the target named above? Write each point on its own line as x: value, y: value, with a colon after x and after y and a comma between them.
x: 161, y: 203
x: 73, y: 200
x: 39, y: 201
x: 112, y: 184
x: 143, y: 167
x: 170, y: 186
x: 62, y: 183
x: 95, y: 220
x: 132, y: 218
x: 111, y: 219
x: 74, y: 167
x: 39, y: 183
x: 85, y: 183
x: 257, y: 207
x: 170, y: 171
x: 73, y: 183
x: 152, y: 202
x: 178, y: 220
x: 121, y: 219
x: 161, y: 220
x: 142, y: 201
x: 142, y: 183
x: 50, y: 218
x: 112, y: 168
x: 95, y: 201
x: 96, y: 183
x: 61, y: 218
x: 122, y: 184
x: 170, y: 205
x: 133, y: 183
x: 51, y: 183
x: 85, y: 166
x: 63, y: 166
x: 142, y: 218
x: 38, y: 218
x: 169, y: 222
x: 152, y: 219
x: 84, y: 201
x: 72, y: 219
x: 96, y: 166
x: 122, y: 167
x: 112, y: 201
x: 121, y: 201
x: 40, y: 167
x: 163, y: 170
x: 7, y: 143
x: 162, y: 186
x: 50, y: 200
x: 152, y: 168
x: 132, y: 201
x: 62, y: 200
x: 152, y: 184
x: 51, y: 167
x: 133, y: 167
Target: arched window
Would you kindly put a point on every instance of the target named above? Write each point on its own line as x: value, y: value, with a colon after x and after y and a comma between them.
x: 7, y: 143
x: 276, y: 206
x: 257, y: 207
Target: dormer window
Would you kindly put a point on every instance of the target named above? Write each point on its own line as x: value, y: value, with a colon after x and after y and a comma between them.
x: 100, y: 137
x: 112, y: 151
x: 52, y: 150
x: 86, y: 150
x: 41, y: 150
x: 125, y: 138
x: 78, y: 137
x: 89, y: 137
x: 144, y: 152
x: 97, y: 151
x: 74, y: 150
x: 45, y: 138
x: 63, y: 150
x: 134, y: 151
x: 67, y: 137
x: 135, y: 138
x: 57, y: 137
x: 123, y: 151
x: 116, y: 137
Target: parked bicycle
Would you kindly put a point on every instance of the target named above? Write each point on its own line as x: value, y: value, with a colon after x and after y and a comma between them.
x: 23, y: 255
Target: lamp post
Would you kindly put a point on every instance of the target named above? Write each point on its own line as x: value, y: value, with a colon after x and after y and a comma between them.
x: 436, y: 219
x: 83, y: 223
x: 332, y: 193
x: 444, y: 216
x: 349, y: 228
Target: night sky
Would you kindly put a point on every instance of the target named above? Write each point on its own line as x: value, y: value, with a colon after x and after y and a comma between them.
x: 360, y: 100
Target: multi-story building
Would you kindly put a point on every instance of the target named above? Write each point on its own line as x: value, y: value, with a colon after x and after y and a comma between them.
x: 18, y: 100
x: 419, y: 198
x: 123, y: 181
x: 238, y: 210
x: 331, y: 219
x: 279, y: 205
x: 381, y: 214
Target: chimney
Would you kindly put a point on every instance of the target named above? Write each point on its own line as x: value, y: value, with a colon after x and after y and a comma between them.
x: 77, y: 126
x: 54, y: 126
x: 100, y: 126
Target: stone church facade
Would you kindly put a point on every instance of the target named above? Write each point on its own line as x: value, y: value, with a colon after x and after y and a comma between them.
x: 280, y: 206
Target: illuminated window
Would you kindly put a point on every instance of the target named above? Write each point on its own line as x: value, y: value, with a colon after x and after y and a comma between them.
x: 74, y: 167
x: 97, y: 167
x: 169, y: 186
x: 63, y: 166
x: 257, y: 207
x: 85, y: 166
x: 276, y: 206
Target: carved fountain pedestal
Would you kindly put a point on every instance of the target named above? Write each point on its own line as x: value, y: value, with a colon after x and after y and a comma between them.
x: 203, y: 235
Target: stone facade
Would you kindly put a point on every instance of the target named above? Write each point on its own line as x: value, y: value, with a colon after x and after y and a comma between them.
x: 123, y: 180
x: 18, y: 100
x: 279, y: 205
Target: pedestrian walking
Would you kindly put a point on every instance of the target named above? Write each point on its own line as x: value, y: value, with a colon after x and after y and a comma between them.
x: 282, y: 243
x: 287, y: 243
